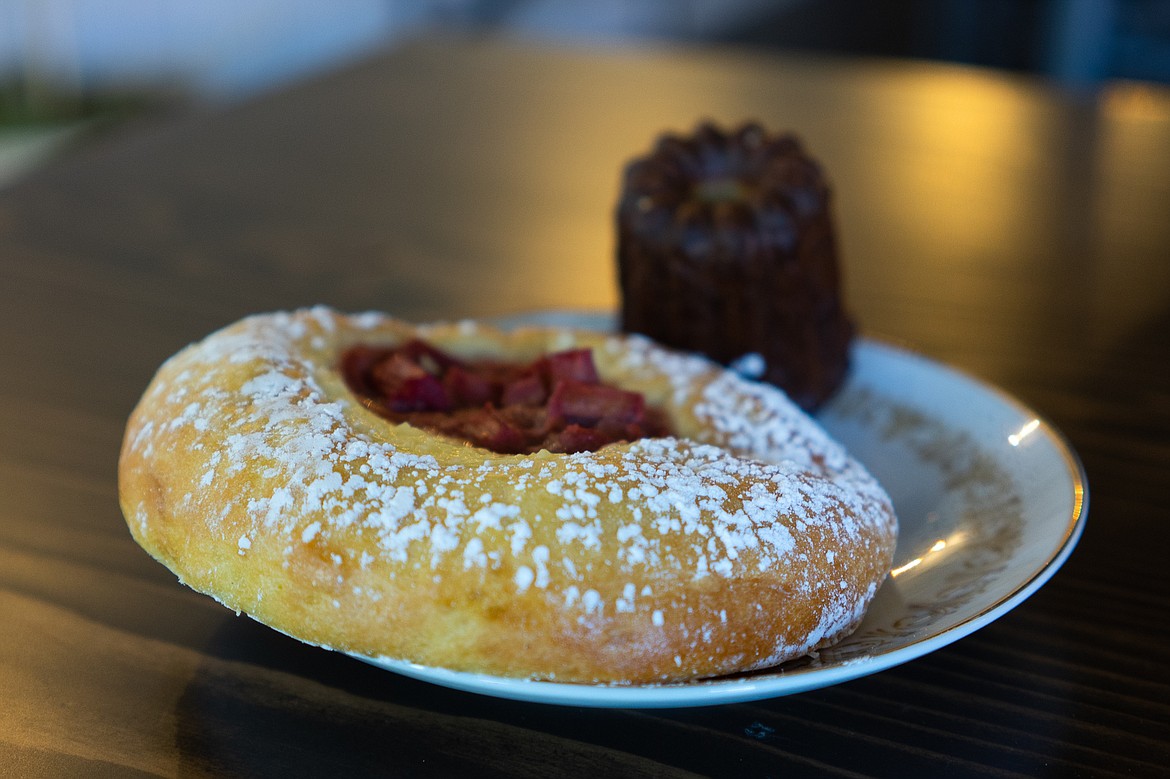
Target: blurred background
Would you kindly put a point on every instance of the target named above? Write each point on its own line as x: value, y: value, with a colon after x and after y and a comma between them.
x: 68, y: 66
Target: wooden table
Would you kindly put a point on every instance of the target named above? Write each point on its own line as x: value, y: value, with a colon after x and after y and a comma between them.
x: 988, y: 221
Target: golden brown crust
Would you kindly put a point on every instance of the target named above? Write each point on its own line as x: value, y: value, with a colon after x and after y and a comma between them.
x: 750, y: 538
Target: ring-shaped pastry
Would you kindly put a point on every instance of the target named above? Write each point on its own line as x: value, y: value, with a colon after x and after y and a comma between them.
x: 746, y: 538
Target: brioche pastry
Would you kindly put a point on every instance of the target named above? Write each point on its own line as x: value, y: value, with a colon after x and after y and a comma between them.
x: 745, y: 538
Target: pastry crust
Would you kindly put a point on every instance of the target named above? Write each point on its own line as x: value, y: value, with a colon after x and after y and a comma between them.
x: 747, y: 539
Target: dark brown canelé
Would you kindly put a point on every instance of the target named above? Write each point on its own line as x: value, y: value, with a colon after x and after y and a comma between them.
x: 726, y: 246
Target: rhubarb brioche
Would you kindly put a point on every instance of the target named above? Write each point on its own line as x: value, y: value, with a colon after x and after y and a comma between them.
x: 717, y: 529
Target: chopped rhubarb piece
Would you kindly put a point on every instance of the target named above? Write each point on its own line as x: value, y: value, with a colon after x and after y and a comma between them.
x: 491, y: 430
x: 358, y: 365
x: 571, y: 365
x: 467, y: 388
x: 576, y: 438
x: 531, y: 419
x: 394, y: 369
x: 420, y: 393
x: 405, y: 386
x: 527, y: 389
x: 595, y: 405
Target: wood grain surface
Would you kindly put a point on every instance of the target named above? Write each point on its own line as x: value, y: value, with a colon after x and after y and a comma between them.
x: 988, y: 221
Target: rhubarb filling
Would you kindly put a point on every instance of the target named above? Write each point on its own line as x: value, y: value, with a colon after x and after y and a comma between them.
x: 558, y: 402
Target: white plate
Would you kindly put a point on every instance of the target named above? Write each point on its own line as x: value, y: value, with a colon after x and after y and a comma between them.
x: 990, y: 498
